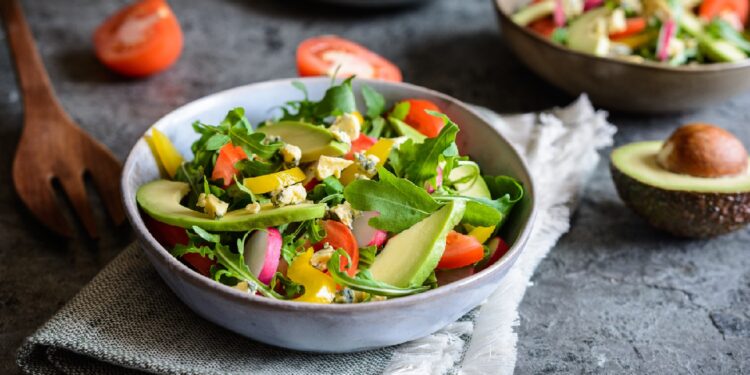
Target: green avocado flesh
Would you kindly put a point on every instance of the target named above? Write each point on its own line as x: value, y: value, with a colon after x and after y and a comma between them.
x: 410, y: 256
x: 638, y: 160
x: 404, y: 129
x: 160, y: 199
x: 583, y: 35
x: 314, y: 141
x: 683, y: 205
x: 476, y: 187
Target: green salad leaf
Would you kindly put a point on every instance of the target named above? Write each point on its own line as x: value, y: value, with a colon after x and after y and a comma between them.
x: 364, y: 281
x: 374, y: 101
x: 400, y: 203
x: 337, y: 100
x: 419, y: 162
x: 400, y: 110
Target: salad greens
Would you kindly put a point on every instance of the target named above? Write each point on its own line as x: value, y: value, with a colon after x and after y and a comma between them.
x: 306, y: 220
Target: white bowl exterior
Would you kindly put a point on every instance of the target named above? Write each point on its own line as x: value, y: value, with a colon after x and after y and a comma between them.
x: 326, y: 328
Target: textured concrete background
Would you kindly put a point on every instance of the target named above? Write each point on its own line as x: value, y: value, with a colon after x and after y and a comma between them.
x: 614, y: 297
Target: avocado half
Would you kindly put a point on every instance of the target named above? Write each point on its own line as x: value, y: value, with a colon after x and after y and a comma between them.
x: 681, y: 204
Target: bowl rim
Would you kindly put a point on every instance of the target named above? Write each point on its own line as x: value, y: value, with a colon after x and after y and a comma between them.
x: 645, y: 65
x: 229, y: 293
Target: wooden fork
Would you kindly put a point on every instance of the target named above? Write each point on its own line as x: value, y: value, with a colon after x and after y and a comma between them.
x: 52, y: 147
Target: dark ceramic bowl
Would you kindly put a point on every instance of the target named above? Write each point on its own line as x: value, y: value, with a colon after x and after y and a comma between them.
x: 647, y: 87
x: 314, y: 327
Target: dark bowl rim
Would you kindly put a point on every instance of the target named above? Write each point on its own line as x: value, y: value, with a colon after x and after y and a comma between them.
x: 229, y: 293
x: 646, y: 65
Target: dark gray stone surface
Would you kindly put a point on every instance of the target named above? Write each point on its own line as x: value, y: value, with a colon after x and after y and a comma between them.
x: 613, y: 297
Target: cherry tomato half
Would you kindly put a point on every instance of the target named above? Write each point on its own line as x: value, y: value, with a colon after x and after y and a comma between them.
x: 338, y: 236
x: 714, y: 8
x: 139, y: 40
x: 323, y: 55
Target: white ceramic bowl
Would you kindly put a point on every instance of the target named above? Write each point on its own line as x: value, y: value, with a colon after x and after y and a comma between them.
x: 335, y: 327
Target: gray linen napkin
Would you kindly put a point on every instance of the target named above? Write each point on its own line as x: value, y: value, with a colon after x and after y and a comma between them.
x: 126, y: 320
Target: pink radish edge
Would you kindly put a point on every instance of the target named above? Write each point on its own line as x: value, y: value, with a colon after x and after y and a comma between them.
x: 262, y: 253
x: 559, y: 14
x: 438, y: 181
x: 667, y: 32
x: 364, y: 233
x: 591, y: 4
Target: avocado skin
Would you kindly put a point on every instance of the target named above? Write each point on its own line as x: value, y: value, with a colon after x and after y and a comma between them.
x: 684, y: 213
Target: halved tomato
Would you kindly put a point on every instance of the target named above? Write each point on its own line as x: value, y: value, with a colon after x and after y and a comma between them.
x: 170, y: 235
x: 139, y: 40
x: 329, y: 54
x: 338, y: 236
x: 419, y: 119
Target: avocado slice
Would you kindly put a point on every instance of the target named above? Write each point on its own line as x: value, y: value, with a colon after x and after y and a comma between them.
x: 408, y: 259
x: 588, y: 33
x: 684, y: 205
x: 313, y: 140
x: 404, y: 129
x: 716, y: 50
x: 476, y: 188
x: 160, y: 199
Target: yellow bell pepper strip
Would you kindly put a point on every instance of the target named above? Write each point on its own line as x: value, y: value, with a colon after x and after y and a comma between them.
x: 482, y: 234
x: 319, y: 287
x: 272, y: 181
x: 381, y: 149
x: 166, y: 154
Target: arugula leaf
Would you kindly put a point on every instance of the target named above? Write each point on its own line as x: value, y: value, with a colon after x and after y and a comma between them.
x: 420, y: 160
x: 367, y: 256
x: 479, y: 212
x: 202, y: 233
x: 400, y: 203
x: 330, y: 191
x: 400, y: 110
x: 364, y: 281
x: 376, y: 127
x: 337, y: 100
x: 252, y: 168
x: 291, y: 289
x: 374, y: 101
x: 506, y: 190
x: 236, y: 117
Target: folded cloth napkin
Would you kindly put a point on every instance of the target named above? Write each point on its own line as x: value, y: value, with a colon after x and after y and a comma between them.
x: 128, y: 321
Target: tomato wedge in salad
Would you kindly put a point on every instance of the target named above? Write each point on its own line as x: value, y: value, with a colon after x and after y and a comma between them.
x: 419, y: 119
x: 709, y: 9
x: 139, y: 40
x: 339, y: 236
x: 329, y: 54
x: 224, y: 169
x: 460, y: 250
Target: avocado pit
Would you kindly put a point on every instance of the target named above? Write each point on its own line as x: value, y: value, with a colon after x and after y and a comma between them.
x: 703, y: 150
x: 694, y: 184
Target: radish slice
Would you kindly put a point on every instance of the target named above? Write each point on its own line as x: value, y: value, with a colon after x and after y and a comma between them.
x: 438, y: 181
x: 262, y: 253
x: 668, y: 30
x: 559, y: 14
x: 364, y: 233
x: 591, y: 4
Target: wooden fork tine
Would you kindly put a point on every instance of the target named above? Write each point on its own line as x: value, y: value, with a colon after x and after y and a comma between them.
x: 76, y: 191
x: 39, y: 197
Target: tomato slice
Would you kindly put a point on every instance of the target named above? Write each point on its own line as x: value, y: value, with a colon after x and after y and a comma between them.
x: 361, y: 144
x: 460, y: 250
x: 224, y: 168
x: 419, y: 119
x: 633, y: 26
x: 545, y: 26
x: 323, y: 55
x: 338, y: 236
x: 170, y: 235
x: 714, y: 8
x: 139, y: 40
